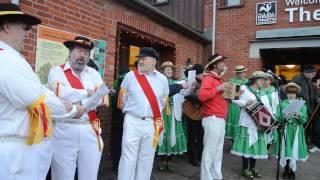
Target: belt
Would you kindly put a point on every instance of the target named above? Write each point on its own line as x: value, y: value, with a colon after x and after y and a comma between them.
x: 77, y: 122
x: 142, y: 118
x: 16, y: 139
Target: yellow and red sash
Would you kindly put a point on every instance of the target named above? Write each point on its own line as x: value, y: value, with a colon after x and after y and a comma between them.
x: 40, y: 121
x: 94, y: 120
x: 148, y: 92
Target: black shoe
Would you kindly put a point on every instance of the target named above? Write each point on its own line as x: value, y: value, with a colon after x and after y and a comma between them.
x: 195, y: 163
x: 246, y: 173
x: 162, y: 166
x: 292, y: 175
x: 255, y: 173
x: 170, y: 166
x: 286, y: 175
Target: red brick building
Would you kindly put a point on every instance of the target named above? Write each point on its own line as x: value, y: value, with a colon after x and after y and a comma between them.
x: 290, y: 34
x: 125, y: 25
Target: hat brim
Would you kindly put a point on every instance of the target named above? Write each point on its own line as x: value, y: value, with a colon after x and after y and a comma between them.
x: 240, y: 71
x: 70, y: 44
x: 217, y: 59
x: 173, y: 67
x: 285, y: 87
x: 145, y: 55
x: 257, y: 77
x: 24, y: 18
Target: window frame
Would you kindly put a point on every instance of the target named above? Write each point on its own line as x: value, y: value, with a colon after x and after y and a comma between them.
x: 155, y: 2
x: 222, y: 4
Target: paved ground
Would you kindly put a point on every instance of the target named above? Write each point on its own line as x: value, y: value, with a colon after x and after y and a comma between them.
x: 309, y: 170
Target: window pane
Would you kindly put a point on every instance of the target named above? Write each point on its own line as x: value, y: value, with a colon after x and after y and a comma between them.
x: 161, y: 1
x: 233, y: 2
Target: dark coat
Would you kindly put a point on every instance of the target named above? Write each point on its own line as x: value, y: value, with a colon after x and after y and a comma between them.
x: 308, y: 92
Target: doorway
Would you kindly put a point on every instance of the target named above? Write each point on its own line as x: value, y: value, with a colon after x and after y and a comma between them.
x: 129, y: 42
x: 289, y: 61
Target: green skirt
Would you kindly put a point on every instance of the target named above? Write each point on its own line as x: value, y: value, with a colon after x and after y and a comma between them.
x: 290, y: 135
x: 181, y: 143
x: 232, y: 124
x: 241, y: 145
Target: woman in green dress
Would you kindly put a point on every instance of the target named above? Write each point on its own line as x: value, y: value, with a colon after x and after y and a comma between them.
x: 293, y: 144
x: 250, y: 142
x: 174, y: 140
x: 273, y: 97
x: 232, y: 123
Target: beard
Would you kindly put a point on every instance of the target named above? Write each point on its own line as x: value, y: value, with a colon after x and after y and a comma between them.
x: 78, y: 65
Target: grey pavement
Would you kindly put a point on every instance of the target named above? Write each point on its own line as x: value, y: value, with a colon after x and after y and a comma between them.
x: 309, y: 170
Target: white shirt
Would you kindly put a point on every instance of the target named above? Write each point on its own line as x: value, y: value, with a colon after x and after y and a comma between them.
x: 89, y: 78
x: 134, y: 100
x: 19, y: 88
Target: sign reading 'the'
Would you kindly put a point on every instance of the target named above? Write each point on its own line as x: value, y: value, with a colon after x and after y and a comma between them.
x: 266, y: 13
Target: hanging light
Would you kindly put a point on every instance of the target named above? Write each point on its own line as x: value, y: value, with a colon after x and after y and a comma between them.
x: 290, y: 66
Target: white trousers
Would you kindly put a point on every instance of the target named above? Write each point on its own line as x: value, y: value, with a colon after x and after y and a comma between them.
x: 19, y: 161
x: 137, y: 156
x: 214, y: 131
x: 75, y: 145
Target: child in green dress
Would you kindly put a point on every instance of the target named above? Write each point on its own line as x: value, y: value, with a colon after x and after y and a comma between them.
x: 293, y: 143
x: 174, y: 140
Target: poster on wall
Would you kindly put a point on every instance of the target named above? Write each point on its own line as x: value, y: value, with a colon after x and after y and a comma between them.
x: 266, y: 13
x: 51, y: 51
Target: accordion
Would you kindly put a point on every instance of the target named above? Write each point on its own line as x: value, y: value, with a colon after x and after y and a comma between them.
x: 261, y: 116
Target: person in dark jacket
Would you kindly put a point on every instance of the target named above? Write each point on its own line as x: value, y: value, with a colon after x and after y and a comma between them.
x: 194, y: 128
x: 308, y: 93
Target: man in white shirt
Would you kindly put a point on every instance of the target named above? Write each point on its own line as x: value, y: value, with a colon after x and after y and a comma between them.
x: 26, y: 107
x: 77, y: 143
x: 142, y: 97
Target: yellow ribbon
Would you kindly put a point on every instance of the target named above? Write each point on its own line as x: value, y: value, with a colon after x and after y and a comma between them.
x: 36, y: 115
x: 122, y: 93
x: 58, y: 89
x: 10, y: 12
x: 95, y: 126
x: 168, y: 111
x: 158, y: 124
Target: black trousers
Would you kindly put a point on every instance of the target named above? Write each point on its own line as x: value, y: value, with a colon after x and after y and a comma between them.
x: 315, y: 137
x: 116, y: 138
x: 195, y: 140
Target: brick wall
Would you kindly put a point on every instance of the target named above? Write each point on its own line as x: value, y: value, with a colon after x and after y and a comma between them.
x: 237, y: 26
x: 99, y: 21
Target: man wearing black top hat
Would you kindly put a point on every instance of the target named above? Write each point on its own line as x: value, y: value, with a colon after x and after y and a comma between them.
x: 142, y: 98
x: 77, y: 143
x: 27, y: 108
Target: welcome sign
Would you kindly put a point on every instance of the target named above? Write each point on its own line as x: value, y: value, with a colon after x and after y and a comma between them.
x: 295, y: 8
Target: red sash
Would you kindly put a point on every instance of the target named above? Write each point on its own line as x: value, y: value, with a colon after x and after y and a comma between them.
x: 148, y: 92
x: 76, y: 83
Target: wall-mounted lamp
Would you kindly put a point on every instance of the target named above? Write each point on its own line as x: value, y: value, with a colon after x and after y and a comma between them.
x: 290, y: 66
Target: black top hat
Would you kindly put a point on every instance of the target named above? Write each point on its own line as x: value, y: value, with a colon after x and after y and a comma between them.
x: 11, y: 13
x: 148, y: 51
x: 79, y: 41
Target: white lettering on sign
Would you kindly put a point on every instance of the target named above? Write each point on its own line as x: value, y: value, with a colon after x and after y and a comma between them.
x: 301, y: 2
x: 304, y: 15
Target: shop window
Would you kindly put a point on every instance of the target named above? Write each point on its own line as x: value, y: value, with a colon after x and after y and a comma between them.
x: 160, y: 2
x: 230, y: 3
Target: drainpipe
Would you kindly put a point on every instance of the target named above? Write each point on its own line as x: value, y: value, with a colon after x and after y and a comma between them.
x: 214, y: 13
x: 17, y: 2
